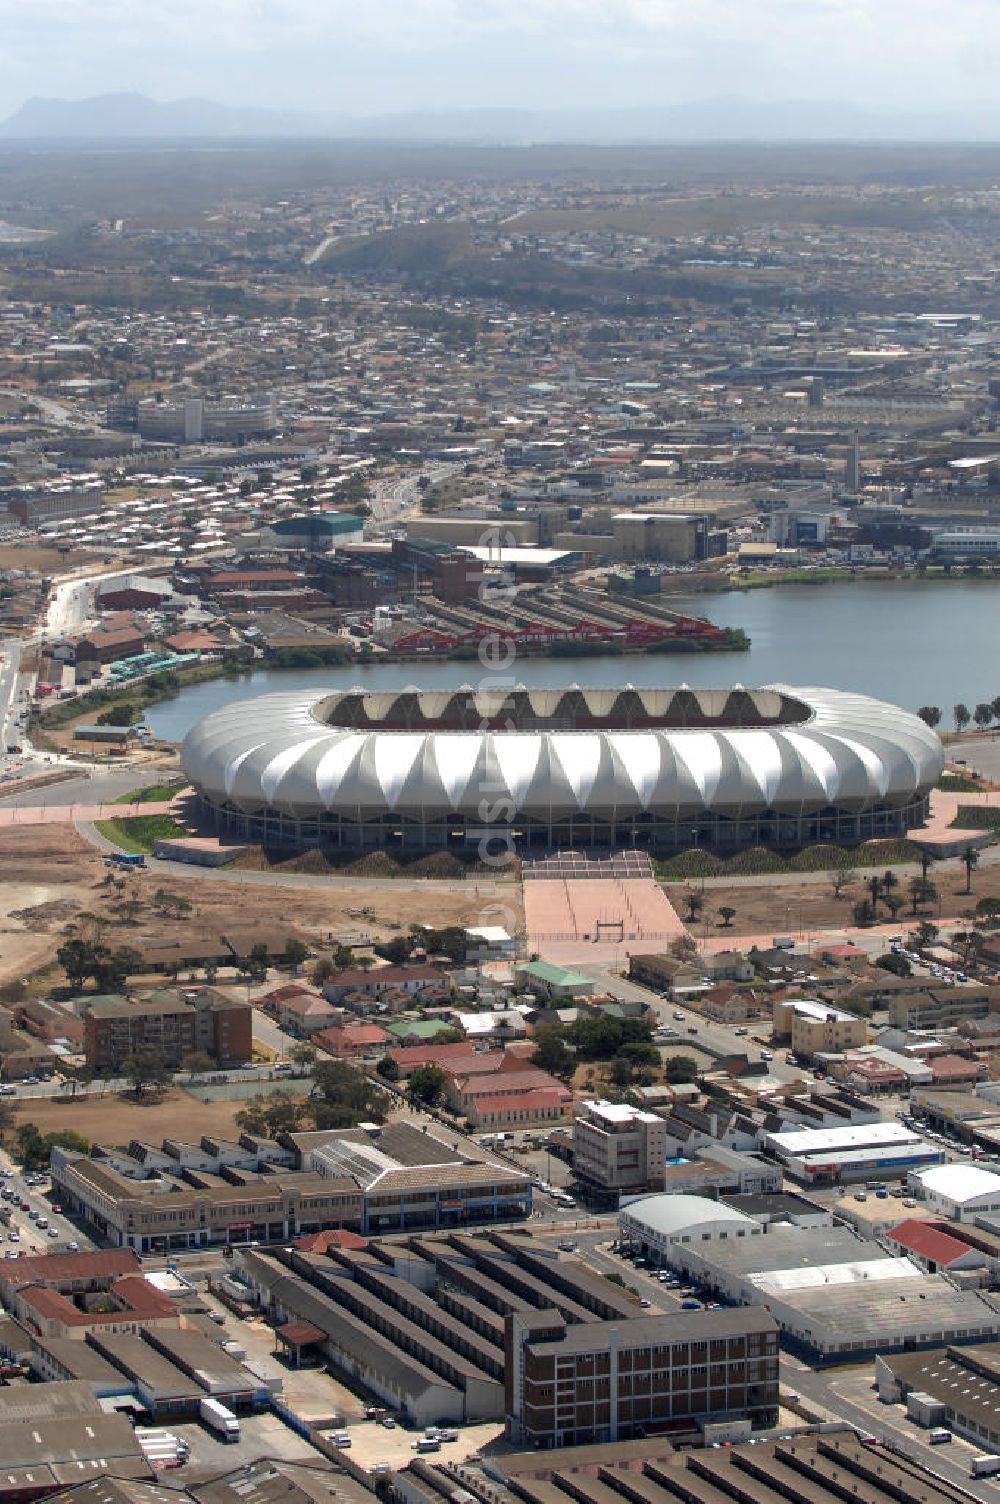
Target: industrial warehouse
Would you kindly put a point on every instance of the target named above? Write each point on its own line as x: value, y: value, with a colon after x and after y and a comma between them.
x: 665, y: 769
x: 835, y: 1295
x: 467, y: 1327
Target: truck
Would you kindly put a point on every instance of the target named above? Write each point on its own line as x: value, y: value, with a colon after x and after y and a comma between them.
x: 984, y: 1464
x: 162, y: 1449
x: 129, y: 859
x: 217, y: 1418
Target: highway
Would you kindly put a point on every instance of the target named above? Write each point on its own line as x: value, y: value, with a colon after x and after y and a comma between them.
x: 392, y: 497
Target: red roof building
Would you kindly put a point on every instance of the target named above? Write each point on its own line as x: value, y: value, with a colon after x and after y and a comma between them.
x: 933, y: 1248
x: 461, y: 1058
x: 952, y: 1070
x: 330, y: 1237
x: 525, y: 1110
x: 352, y: 1039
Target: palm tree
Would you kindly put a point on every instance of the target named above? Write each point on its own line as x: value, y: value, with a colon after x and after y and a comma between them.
x: 971, y: 860
x: 922, y: 892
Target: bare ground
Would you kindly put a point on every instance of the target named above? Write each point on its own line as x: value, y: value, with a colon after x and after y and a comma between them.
x: 116, y: 1120
x: 42, y: 864
x: 808, y: 904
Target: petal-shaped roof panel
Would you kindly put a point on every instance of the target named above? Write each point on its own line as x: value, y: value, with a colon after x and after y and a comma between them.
x: 673, y: 752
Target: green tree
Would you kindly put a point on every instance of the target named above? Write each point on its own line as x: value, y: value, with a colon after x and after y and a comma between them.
x: 622, y: 1071
x: 388, y: 1069
x: 863, y: 912
x: 970, y: 860
x: 342, y: 1097
x: 695, y: 903
x: 302, y: 1055
x: 426, y: 1085
x: 294, y: 953
x: 925, y: 934
x: 982, y: 715
x: 397, y: 950
x: 841, y: 878
x: 727, y: 914
x: 678, y: 1069
x: 196, y: 1062
x: 77, y: 959
x: 551, y: 1053
x: 962, y: 716
x: 931, y: 714
x: 922, y: 893
x: 6, y: 1118
x: 147, y: 1071
x: 898, y: 965
x: 275, y: 1113
x: 113, y: 967
x: 30, y: 1146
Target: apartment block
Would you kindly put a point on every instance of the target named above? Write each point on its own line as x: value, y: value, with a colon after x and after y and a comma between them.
x: 170, y: 1023
x: 816, y: 1028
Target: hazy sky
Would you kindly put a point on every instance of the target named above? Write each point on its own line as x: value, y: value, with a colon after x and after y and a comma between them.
x: 377, y: 56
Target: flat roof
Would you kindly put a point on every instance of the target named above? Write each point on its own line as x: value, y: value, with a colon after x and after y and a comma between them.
x: 960, y: 1183
x: 851, y: 1136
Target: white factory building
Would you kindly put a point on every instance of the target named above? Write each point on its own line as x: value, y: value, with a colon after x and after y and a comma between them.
x: 856, y: 1151
x: 659, y: 1224
x: 960, y: 1192
x: 836, y: 1296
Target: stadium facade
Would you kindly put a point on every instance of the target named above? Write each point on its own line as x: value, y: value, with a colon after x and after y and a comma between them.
x: 663, y: 769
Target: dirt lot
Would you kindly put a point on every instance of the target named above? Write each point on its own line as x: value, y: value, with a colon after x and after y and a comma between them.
x: 45, y: 560
x: 320, y: 910
x: 41, y: 865
x: 778, y: 905
x: 116, y: 1120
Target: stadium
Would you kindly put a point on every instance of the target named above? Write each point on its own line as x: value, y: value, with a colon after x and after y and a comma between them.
x: 663, y: 769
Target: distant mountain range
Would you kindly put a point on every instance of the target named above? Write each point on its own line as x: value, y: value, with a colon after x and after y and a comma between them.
x: 134, y: 117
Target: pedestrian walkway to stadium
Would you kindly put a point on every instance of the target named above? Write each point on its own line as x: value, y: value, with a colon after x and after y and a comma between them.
x: 591, y: 909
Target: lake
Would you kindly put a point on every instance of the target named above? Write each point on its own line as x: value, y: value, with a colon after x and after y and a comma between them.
x: 912, y: 642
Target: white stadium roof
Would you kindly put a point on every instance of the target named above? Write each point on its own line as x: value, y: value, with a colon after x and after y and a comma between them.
x: 676, y: 752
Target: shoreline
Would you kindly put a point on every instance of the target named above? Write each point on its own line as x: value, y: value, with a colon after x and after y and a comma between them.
x: 85, y: 708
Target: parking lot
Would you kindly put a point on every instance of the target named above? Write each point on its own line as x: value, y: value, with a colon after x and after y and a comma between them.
x: 373, y: 1445
x: 260, y: 1436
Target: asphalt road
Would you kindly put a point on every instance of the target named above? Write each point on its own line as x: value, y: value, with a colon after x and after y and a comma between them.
x: 29, y: 1238
x: 391, y: 498
x: 847, y: 1395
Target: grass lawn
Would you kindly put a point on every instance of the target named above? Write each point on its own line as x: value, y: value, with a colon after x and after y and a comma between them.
x: 156, y: 793
x: 140, y: 832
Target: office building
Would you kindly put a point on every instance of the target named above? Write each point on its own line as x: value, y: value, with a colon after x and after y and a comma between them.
x: 619, y: 1147
x: 574, y: 1385
x: 194, y: 420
